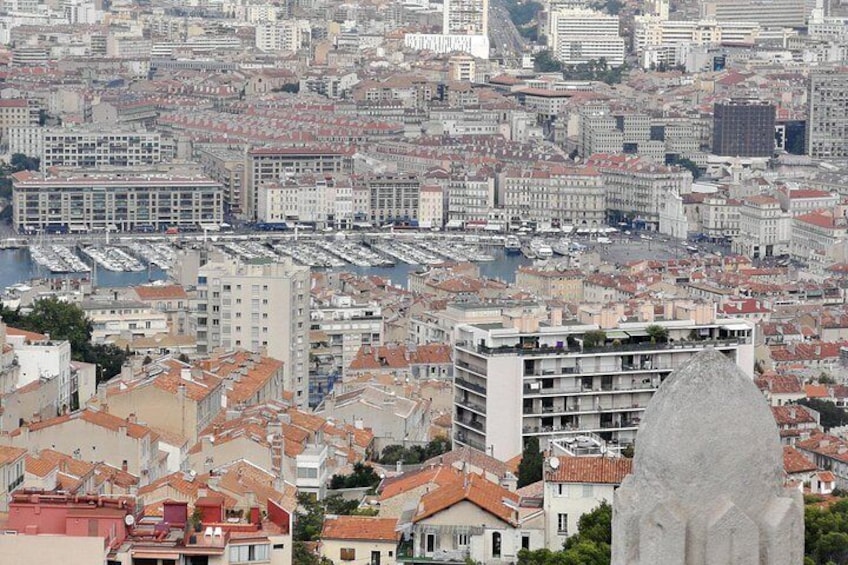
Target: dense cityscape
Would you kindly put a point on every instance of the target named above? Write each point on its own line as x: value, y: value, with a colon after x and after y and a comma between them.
x: 528, y: 282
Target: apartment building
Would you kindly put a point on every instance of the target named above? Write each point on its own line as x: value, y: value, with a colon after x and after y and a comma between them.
x: 393, y: 198
x: 466, y: 17
x: 470, y: 198
x: 553, y: 379
x: 636, y: 187
x: 339, y: 327
x: 81, y: 202
x: 275, y: 164
x: 16, y: 112
x: 764, y: 228
x: 776, y: 14
x: 579, y: 35
x: 97, y: 436
x: 319, y: 200
x: 263, y: 308
x: 174, y: 397
x: 819, y: 239
x: 59, y: 147
x: 226, y: 167
x: 12, y: 471
x: 286, y: 35
x: 41, y: 359
x: 111, y: 319
x: 827, y: 114
x: 555, y: 195
x: 653, y: 31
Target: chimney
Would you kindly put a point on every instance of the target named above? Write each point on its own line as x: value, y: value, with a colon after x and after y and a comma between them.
x: 132, y: 418
x: 124, y: 466
x: 792, y: 413
x: 185, y: 374
x: 255, y: 516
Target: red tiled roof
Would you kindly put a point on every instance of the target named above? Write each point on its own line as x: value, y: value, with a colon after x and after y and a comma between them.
x: 472, y: 488
x: 597, y: 470
x: 366, y: 528
x: 796, y: 462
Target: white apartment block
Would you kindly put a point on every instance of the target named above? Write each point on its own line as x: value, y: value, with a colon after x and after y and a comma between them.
x: 651, y: 31
x: 639, y: 187
x: 578, y: 35
x: 287, y: 35
x: 522, y: 378
x: 774, y: 14
x: 431, y: 211
x: 325, y: 201
x: 392, y: 198
x: 263, y: 308
x: 57, y: 147
x: 568, y: 196
x: 465, y: 17
x: 827, y: 114
x: 79, y: 202
x: 470, y: 198
x: 475, y: 45
x: 126, y: 319
x: 43, y: 359
x: 764, y: 228
x: 347, y: 326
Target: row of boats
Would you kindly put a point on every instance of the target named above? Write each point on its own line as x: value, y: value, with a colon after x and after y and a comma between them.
x: 114, y: 259
x: 159, y: 254
x: 539, y: 248
x: 58, y: 259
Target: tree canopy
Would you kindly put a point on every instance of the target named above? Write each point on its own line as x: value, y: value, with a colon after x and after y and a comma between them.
x: 532, y: 460
x: 362, y: 476
x: 415, y: 454
x: 832, y: 416
x: 67, y: 321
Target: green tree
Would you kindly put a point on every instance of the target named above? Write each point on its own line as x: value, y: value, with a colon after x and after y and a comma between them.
x: 302, y: 555
x: 20, y: 162
x: 594, y: 338
x: 589, y: 546
x: 544, y: 62
x: 415, y: 454
x: 832, y: 416
x: 362, y: 476
x: 687, y: 164
x: 657, y: 333
x: 532, y: 460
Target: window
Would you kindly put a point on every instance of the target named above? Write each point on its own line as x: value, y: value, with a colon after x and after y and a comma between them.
x: 307, y: 473
x: 462, y: 540
x: 562, y: 490
x: 588, y: 490
x: 525, y: 541
x: 496, y: 544
x: 430, y: 543
x: 562, y: 524
x: 375, y: 558
x: 248, y: 553
x: 347, y: 554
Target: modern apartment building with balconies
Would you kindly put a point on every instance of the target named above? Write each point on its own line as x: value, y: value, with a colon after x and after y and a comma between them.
x: 525, y: 377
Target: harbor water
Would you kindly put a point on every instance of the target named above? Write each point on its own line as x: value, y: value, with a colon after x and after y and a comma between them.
x: 16, y: 266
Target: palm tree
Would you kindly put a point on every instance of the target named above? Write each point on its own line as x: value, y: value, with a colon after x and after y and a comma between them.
x: 657, y: 333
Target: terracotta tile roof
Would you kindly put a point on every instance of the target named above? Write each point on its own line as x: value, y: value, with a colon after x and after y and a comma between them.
x: 815, y: 391
x: 101, y: 419
x: 598, y: 470
x: 792, y: 415
x: 458, y: 456
x: 9, y: 454
x: 472, y: 488
x: 257, y: 372
x: 796, y: 462
x: 28, y: 336
x: 242, y: 478
x: 780, y: 384
x: 168, y: 375
x: 158, y: 292
x: 826, y: 476
x: 366, y: 528
x: 440, y: 475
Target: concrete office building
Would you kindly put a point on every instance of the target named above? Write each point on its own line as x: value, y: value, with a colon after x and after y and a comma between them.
x: 82, y: 201
x: 767, y: 13
x: 827, y: 114
x: 743, y: 128
x: 525, y: 377
x: 578, y: 35
x: 262, y: 308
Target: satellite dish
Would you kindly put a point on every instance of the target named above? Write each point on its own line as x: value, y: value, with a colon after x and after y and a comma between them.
x: 553, y: 462
x: 129, y: 520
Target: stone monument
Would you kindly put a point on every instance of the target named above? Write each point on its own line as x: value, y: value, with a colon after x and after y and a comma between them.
x: 707, y: 485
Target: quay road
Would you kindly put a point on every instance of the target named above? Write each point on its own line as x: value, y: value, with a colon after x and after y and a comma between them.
x: 506, y: 43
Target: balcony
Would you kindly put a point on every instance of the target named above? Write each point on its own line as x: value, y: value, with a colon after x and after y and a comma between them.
x: 465, y: 403
x: 575, y: 409
x: 465, y: 440
x: 469, y: 385
x: 638, y: 386
x: 561, y: 349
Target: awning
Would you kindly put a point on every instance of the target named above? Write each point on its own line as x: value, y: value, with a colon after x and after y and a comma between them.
x: 739, y: 326
x: 617, y: 335
x: 154, y: 555
x: 637, y: 333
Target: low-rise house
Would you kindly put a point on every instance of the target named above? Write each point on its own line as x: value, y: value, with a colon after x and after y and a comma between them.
x: 97, y: 436
x: 171, y: 300
x: 575, y: 486
x: 470, y: 518
x: 125, y: 319
x: 430, y: 361
x: 359, y: 539
x: 797, y: 466
x: 795, y: 422
x: 827, y: 452
x: 780, y: 389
